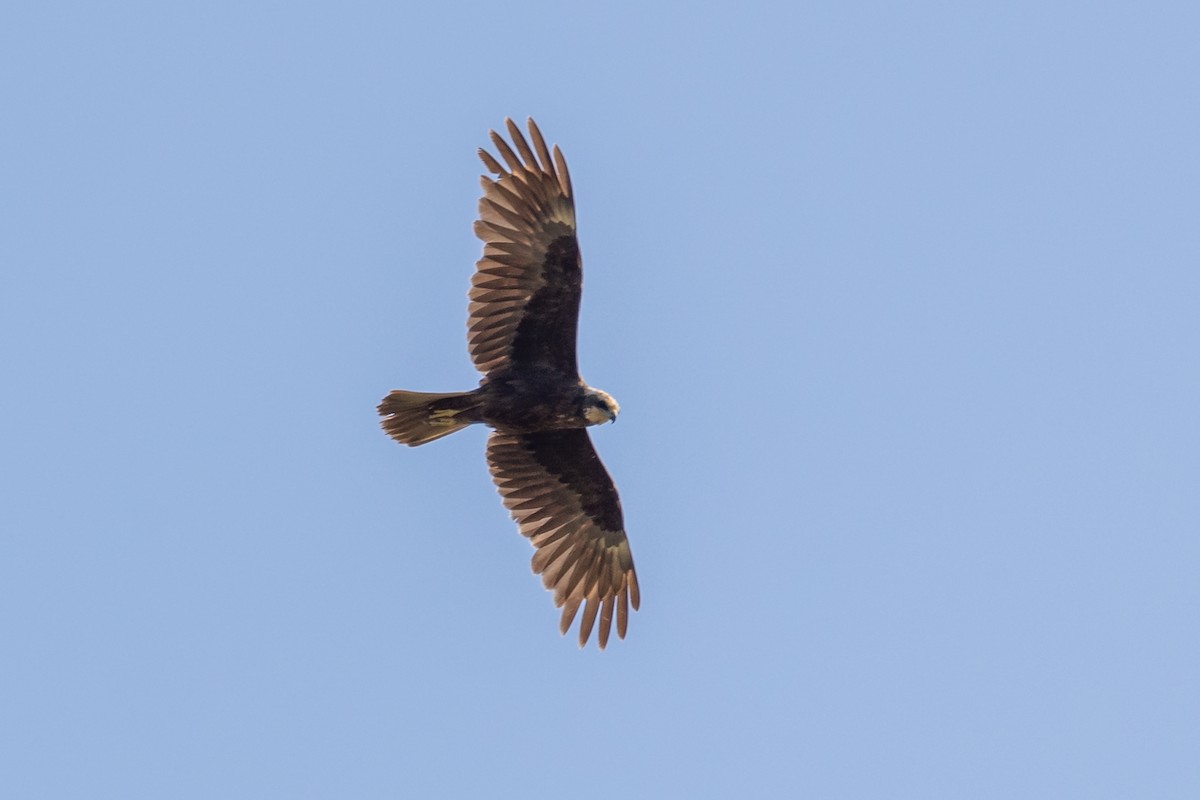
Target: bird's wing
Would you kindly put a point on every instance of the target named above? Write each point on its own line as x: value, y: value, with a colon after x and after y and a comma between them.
x: 565, y: 503
x: 525, y: 292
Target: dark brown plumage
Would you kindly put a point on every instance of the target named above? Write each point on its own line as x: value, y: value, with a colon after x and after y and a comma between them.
x: 522, y: 319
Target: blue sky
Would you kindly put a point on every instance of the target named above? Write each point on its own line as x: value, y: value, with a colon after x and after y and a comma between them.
x: 899, y: 301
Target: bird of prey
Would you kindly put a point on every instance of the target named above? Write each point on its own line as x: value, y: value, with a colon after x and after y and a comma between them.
x: 522, y: 319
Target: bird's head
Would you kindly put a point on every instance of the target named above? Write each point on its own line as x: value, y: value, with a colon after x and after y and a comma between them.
x: 599, y: 407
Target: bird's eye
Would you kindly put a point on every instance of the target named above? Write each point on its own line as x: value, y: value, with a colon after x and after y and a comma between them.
x: 602, y: 405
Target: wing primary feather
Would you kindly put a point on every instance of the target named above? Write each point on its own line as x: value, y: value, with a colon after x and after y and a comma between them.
x: 546, y: 557
x: 595, y: 568
x: 522, y: 146
x: 556, y: 578
x: 635, y: 596
x: 531, y: 187
x: 517, y: 201
x: 622, y: 612
x: 542, y: 150
x: 578, y: 578
x: 606, y: 615
x: 569, y: 609
x: 602, y: 574
x: 564, y: 175
x: 492, y: 165
x: 588, y: 619
x: 510, y: 158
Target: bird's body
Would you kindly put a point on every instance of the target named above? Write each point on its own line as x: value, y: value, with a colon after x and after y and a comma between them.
x: 522, y: 323
x: 527, y: 401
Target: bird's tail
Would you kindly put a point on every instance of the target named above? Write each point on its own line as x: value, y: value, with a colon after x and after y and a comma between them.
x: 414, y: 418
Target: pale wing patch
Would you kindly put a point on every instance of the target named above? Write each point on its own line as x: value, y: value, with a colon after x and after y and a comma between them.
x: 579, y: 561
x: 522, y: 211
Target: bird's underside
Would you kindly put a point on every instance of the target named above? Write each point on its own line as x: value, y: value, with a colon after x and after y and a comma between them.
x: 523, y: 312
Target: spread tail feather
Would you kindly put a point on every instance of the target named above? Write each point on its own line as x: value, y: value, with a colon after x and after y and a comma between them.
x: 414, y: 418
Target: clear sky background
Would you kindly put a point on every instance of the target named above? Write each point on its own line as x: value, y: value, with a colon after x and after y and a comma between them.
x: 900, y: 302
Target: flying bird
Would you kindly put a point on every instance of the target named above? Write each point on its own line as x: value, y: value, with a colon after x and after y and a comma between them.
x: 521, y: 325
